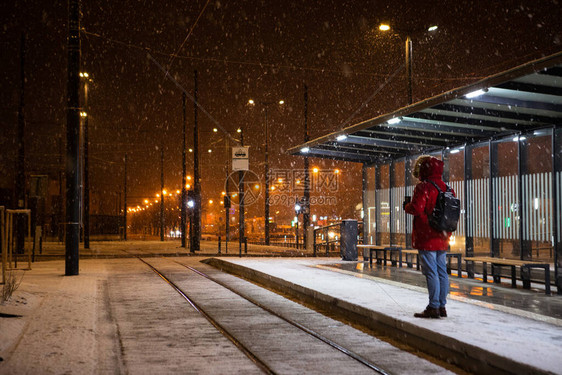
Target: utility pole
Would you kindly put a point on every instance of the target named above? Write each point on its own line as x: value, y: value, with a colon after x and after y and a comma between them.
x: 227, y: 201
x: 195, y: 243
x: 306, y: 208
x: 409, y: 67
x: 266, y: 164
x: 86, y: 168
x: 162, y: 192
x: 241, y: 229
x: 60, y: 219
x: 183, y: 180
x: 266, y: 176
x: 125, y: 202
x: 73, y: 142
x: 20, y: 163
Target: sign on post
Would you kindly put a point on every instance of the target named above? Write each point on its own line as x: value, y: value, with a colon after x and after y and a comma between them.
x: 240, y: 158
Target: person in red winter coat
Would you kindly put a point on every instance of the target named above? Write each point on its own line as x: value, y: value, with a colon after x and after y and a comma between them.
x: 432, y: 245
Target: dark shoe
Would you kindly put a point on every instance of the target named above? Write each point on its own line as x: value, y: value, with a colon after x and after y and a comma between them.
x: 429, y: 312
x: 443, y: 312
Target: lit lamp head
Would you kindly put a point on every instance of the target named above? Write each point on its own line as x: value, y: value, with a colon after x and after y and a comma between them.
x: 384, y: 27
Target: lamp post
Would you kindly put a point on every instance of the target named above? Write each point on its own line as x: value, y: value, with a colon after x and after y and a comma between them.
x: 266, y: 168
x: 298, y: 208
x: 72, y: 238
x: 190, y: 206
x: 183, y: 179
x: 408, y: 54
x: 84, y: 114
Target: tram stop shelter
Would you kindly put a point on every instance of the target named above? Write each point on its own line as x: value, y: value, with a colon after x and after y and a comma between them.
x: 501, y: 141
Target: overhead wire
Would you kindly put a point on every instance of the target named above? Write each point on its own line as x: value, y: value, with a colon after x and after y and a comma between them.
x: 252, y: 63
x: 185, y: 40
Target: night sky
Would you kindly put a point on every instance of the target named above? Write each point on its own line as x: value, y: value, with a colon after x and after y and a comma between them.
x: 265, y: 50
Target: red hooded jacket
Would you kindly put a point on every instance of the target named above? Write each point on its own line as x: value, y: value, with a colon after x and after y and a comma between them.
x: 424, y: 237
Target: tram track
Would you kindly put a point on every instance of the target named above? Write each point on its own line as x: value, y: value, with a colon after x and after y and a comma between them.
x: 368, y: 365
x: 263, y: 366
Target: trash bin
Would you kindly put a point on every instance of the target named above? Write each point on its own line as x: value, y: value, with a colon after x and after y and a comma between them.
x: 348, y: 240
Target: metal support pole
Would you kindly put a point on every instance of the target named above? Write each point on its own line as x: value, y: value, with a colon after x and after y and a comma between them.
x: 493, y: 156
x: 162, y: 192
x: 556, y: 204
x: 468, y: 209
x: 196, y: 242
x: 86, y: 213
x: 365, y: 218
x: 409, y: 67
x: 306, y: 206
x: 266, y: 176
x: 20, y: 163
x: 297, y: 233
x: 407, y: 182
x: 227, y: 205
x: 241, y: 230
x: 391, y: 201
x: 125, y: 202
x: 72, y: 240
x: 184, y: 180
x: 525, y: 244
x: 378, y: 215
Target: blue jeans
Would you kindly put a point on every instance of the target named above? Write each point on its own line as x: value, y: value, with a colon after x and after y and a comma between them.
x: 434, y: 267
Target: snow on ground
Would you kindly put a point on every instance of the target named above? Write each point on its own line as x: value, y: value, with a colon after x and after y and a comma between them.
x: 58, y: 321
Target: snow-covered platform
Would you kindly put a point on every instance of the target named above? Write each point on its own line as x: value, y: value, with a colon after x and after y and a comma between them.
x: 478, y: 335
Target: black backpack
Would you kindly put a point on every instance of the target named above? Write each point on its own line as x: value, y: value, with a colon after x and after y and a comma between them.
x: 445, y: 215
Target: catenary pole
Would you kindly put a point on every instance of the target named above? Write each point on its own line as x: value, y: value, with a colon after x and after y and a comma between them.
x: 196, y: 183
x: 73, y: 142
x: 86, y: 213
x: 183, y: 179
x: 20, y: 162
x: 162, y: 193
x: 266, y: 177
x: 125, y: 202
x: 306, y: 208
x: 241, y: 226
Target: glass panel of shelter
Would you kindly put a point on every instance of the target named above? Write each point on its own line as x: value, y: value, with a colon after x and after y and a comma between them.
x: 537, y: 189
x: 369, y: 210
x: 454, y: 176
x: 477, y: 173
x: 382, y: 204
x: 505, y: 195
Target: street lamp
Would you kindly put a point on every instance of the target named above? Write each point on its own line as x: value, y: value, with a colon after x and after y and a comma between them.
x: 408, y: 53
x: 298, y: 209
x: 85, y: 77
x: 266, y: 175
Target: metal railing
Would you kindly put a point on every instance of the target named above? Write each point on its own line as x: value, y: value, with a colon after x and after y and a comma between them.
x: 328, y: 237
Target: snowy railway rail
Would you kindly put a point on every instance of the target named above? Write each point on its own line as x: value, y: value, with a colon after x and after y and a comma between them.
x: 278, y: 335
